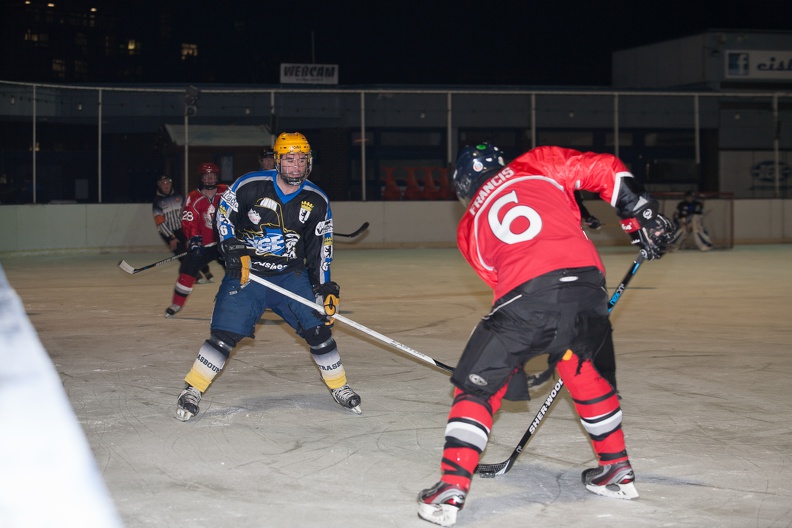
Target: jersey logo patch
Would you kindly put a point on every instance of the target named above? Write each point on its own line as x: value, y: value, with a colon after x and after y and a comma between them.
x: 323, y: 228
x: 254, y: 216
x: 270, y: 242
x: 305, y: 211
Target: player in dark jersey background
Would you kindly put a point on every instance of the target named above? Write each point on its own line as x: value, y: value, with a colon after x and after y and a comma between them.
x: 277, y: 225
x: 167, y: 211
x: 522, y: 234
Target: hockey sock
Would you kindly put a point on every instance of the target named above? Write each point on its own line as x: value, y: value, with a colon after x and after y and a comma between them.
x: 329, y: 363
x: 597, y: 404
x: 466, y: 435
x: 184, y: 286
x: 208, y: 364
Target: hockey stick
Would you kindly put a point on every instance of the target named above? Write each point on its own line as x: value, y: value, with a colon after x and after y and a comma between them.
x: 350, y: 322
x: 129, y: 269
x: 492, y: 470
x: 354, y: 233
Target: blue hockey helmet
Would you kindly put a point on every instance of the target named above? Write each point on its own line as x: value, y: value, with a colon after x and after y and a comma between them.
x: 474, y: 165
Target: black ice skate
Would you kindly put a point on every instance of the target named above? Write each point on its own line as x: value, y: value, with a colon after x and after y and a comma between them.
x: 172, y: 310
x: 440, y: 503
x: 347, y: 398
x: 613, y: 480
x: 187, y: 404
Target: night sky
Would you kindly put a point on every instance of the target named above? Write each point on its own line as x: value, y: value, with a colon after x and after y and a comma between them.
x: 411, y: 42
x: 494, y: 42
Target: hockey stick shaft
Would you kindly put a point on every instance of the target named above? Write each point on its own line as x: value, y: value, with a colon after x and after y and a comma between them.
x: 491, y: 470
x: 354, y: 233
x: 625, y: 281
x: 129, y: 269
x: 350, y: 322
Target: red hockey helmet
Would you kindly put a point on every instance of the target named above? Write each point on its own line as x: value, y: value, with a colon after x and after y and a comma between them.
x: 209, y: 174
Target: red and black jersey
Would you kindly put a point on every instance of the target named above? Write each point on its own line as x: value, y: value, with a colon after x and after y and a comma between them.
x: 199, y: 214
x: 524, y: 221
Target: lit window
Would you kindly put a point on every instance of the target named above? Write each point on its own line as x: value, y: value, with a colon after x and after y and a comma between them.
x: 38, y: 39
x: 132, y: 47
x: 59, y: 68
x: 189, y: 50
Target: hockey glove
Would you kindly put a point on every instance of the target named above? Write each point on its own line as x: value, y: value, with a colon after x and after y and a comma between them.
x: 237, y: 261
x: 648, y: 229
x: 592, y: 222
x: 328, y: 295
x: 196, y: 245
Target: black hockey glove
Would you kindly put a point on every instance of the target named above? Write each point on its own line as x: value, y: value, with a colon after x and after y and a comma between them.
x: 237, y: 261
x: 328, y: 295
x: 648, y: 229
x: 196, y: 245
x: 593, y: 222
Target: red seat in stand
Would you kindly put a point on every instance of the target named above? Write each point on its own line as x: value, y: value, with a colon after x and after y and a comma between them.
x: 430, y: 189
x: 446, y: 189
x: 413, y: 190
x: 391, y: 191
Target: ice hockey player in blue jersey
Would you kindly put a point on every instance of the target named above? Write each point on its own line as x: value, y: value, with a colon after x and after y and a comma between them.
x: 278, y: 225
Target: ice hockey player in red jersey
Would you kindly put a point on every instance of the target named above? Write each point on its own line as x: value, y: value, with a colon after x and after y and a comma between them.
x: 198, y: 218
x: 522, y: 234
x: 167, y: 211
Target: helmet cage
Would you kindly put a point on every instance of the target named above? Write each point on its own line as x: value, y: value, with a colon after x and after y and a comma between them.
x: 292, y: 143
x: 205, y: 171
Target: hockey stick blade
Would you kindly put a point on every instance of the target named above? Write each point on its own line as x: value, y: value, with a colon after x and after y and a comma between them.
x: 354, y: 233
x: 492, y: 470
x: 129, y: 269
x: 126, y: 267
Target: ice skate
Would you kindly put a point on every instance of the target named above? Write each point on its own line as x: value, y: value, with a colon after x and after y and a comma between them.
x: 440, y: 503
x: 172, y: 310
x: 347, y: 398
x: 187, y: 404
x: 614, y: 480
x: 206, y: 279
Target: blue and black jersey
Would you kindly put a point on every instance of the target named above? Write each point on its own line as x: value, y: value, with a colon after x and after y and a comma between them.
x: 283, y: 232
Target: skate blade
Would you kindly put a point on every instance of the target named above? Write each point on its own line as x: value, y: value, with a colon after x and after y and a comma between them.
x: 442, y: 514
x: 615, y: 491
x: 183, y: 415
x: 356, y: 409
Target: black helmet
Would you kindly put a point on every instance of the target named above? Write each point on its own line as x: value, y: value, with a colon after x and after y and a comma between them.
x: 474, y: 166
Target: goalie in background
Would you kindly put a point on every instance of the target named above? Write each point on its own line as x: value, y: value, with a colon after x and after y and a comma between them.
x: 521, y: 234
x: 688, y: 217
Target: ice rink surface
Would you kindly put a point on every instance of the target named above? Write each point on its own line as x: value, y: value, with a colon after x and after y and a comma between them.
x: 703, y: 343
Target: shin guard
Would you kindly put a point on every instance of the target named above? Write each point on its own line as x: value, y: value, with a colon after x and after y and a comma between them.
x: 183, y: 288
x: 329, y: 362
x: 208, y: 364
x: 597, y: 404
x: 466, y: 435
